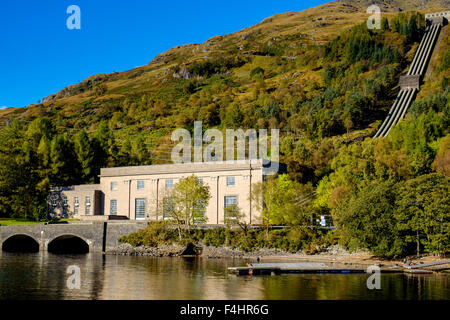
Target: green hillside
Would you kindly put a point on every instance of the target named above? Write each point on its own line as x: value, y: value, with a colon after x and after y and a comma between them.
x: 320, y: 76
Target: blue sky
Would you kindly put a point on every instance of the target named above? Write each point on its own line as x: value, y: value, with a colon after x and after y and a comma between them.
x: 39, y: 55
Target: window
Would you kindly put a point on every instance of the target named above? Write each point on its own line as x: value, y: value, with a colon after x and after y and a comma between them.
x: 167, y: 208
x: 65, y: 205
x: 231, y: 181
x: 200, y: 180
x: 230, y: 200
x: 139, y: 208
x: 199, y: 214
x: 54, y: 202
x: 88, y: 206
x: 169, y: 183
x: 114, y: 185
x: 140, y: 185
x: 113, y: 207
x: 75, y: 205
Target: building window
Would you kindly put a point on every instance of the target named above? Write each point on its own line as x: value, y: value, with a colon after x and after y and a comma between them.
x: 231, y: 181
x: 167, y: 208
x: 169, y: 183
x: 199, y: 214
x: 88, y: 206
x: 200, y: 180
x: 54, y: 202
x: 114, y: 186
x: 113, y: 207
x: 140, y: 185
x: 229, y: 201
x: 65, y: 205
x: 75, y: 205
x: 139, y: 208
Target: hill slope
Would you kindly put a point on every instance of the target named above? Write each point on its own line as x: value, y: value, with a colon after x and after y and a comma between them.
x: 205, y: 81
x: 317, y: 25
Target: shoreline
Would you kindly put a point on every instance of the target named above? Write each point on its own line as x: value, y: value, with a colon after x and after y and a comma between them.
x: 333, y: 255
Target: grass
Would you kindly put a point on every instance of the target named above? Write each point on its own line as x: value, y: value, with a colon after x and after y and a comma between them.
x: 68, y: 220
x: 10, y: 222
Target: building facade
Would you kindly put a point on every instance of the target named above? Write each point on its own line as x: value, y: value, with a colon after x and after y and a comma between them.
x: 139, y: 192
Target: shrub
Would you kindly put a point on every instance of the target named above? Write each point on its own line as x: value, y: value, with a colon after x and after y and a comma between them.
x: 154, y: 234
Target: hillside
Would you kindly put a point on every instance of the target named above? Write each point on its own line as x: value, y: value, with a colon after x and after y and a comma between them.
x: 289, y: 33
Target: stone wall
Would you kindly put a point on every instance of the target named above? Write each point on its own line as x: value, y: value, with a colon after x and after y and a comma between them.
x: 93, y: 233
x: 118, y: 229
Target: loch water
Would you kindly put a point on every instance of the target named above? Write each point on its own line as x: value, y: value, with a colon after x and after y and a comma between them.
x: 104, y: 277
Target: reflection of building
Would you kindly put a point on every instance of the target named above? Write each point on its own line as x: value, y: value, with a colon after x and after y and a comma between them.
x: 139, y: 192
x: 165, y: 278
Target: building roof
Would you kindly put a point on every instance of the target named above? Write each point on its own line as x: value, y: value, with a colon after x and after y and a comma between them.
x: 85, y: 187
x: 183, y: 168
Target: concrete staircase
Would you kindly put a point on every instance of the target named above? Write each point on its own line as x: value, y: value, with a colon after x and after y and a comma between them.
x: 410, y: 84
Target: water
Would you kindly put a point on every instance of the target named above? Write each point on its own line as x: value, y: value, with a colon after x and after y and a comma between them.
x: 43, y: 276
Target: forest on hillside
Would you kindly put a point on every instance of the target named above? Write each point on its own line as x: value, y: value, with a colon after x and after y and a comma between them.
x: 388, y: 195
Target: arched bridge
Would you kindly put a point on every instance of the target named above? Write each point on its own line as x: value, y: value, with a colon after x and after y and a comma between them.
x: 74, y: 237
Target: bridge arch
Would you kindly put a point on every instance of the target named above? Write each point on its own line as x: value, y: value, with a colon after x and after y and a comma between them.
x: 68, y: 243
x: 20, y: 243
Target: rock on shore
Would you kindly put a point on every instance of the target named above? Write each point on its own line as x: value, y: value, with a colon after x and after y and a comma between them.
x: 170, y: 250
x: 227, y: 252
x: 173, y: 250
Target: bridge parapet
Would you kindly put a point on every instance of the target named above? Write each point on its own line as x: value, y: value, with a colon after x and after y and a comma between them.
x: 98, y: 235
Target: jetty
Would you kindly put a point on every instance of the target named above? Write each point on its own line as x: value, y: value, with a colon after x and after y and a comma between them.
x: 322, y: 268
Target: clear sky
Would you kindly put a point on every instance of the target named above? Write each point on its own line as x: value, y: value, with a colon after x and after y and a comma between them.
x: 39, y: 55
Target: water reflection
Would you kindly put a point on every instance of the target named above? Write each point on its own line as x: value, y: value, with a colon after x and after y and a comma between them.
x: 43, y: 276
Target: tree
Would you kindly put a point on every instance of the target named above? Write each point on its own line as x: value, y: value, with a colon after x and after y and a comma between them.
x: 368, y: 221
x: 282, y: 201
x: 189, y: 199
x: 38, y: 129
x: 86, y: 156
x: 423, y: 212
x: 104, y: 145
x: 234, y: 216
x: 65, y: 168
x: 328, y: 74
x: 442, y: 161
x: 384, y: 24
x: 23, y: 182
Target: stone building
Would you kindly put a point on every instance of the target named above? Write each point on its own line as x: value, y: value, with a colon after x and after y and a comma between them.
x: 138, y: 192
